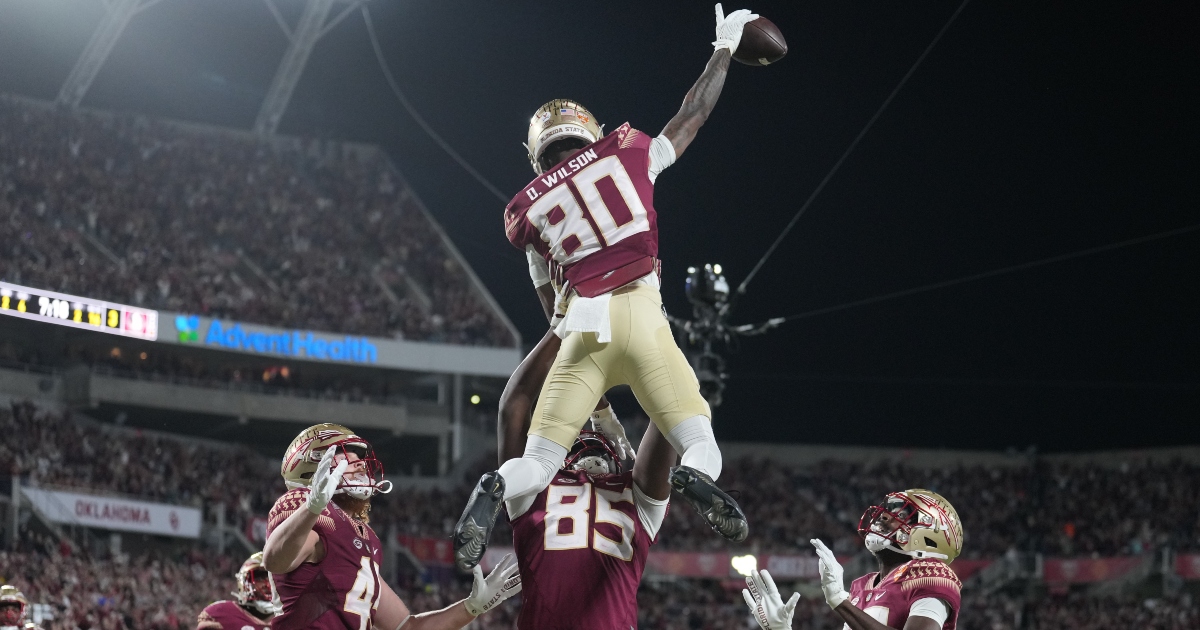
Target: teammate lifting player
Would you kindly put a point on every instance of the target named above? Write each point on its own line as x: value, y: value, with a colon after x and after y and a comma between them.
x: 590, y: 530
x: 914, y: 536
x: 254, y: 604
x: 589, y: 221
x: 324, y: 557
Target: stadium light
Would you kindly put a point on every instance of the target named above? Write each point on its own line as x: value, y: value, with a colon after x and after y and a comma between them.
x: 744, y: 565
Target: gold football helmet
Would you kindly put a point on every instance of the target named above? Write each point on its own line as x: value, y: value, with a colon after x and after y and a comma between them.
x: 917, y: 522
x: 557, y: 120
x: 362, y: 480
x: 12, y: 605
x: 254, y: 587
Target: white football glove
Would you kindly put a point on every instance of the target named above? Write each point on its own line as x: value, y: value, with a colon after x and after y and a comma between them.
x: 729, y: 28
x: 605, y: 421
x: 486, y: 593
x: 324, y: 483
x: 831, y: 576
x: 764, y: 601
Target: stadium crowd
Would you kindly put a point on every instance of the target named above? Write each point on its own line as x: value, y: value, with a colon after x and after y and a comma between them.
x: 214, y: 222
x: 1057, y: 509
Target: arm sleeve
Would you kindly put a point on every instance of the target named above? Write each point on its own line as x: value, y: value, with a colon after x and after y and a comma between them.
x: 650, y: 511
x: 537, y: 267
x: 662, y: 155
x: 930, y: 607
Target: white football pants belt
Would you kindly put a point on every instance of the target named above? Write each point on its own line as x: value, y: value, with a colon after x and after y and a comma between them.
x: 533, y: 471
x: 693, y: 439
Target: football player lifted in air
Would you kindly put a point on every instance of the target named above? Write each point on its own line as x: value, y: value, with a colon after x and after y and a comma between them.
x: 914, y: 535
x: 588, y: 221
x: 12, y: 609
x: 591, y: 529
x: 324, y: 557
x: 253, y: 605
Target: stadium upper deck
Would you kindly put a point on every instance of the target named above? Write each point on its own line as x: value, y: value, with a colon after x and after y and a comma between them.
x: 285, y: 232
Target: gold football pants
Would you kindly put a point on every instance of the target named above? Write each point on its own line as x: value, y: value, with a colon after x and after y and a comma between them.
x: 642, y: 354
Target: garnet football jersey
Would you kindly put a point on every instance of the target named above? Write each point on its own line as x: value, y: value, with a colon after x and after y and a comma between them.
x: 889, y: 601
x: 342, y: 590
x: 582, y: 548
x: 593, y: 213
x: 227, y: 615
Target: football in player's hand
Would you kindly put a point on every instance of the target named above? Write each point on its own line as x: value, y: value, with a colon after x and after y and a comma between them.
x: 761, y: 44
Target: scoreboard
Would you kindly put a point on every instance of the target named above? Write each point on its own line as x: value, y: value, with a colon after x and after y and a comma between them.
x: 78, y: 312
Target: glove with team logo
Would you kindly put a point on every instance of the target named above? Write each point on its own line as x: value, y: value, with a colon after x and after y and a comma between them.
x: 605, y: 421
x: 324, y: 483
x: 764, y: 601
x: 486, y: 593
x: 831, y: 575
x: 729, y: 28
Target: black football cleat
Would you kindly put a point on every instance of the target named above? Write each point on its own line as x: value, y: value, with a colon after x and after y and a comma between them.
x: 474, y: 527
x: 718, y: 508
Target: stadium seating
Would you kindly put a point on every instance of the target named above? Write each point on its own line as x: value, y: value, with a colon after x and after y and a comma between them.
x: 229, y: 225
x: 1058, y: 509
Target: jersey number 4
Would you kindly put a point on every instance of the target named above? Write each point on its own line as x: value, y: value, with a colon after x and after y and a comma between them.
x: 364, y: 595
x: 611, y: 211
x: 567, y: 519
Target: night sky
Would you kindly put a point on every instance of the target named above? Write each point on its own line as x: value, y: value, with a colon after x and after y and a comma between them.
x: 1031, y: 130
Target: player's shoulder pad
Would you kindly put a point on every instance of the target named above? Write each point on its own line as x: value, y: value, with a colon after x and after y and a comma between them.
x: 929, y: 573
x: 205, y: 620
x: 629, y: 138
x: 291, y: 501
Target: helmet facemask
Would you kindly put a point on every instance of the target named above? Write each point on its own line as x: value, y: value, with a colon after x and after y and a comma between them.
x: 254, y: 587
x: 901, y: 525
x: 12, y: 613
x: 12, y: 606
x: 593, y: 454
x: 363, y: 478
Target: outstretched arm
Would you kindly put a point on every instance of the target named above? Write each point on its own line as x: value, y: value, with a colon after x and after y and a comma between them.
x: 698, y: 103
x: 702, y: 98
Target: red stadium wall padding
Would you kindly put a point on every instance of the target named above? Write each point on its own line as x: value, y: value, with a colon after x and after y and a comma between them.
x: 1086, y: 570
x: 1187, y: 566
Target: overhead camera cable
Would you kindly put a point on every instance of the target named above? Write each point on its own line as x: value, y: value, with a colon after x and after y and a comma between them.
x: 420, y: 120
x: 850, y: 149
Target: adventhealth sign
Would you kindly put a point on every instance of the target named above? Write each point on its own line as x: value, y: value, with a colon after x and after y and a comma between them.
x: 300, y: 344
x: 326, y: 347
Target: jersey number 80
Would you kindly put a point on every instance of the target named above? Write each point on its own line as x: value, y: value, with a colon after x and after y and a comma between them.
x: 611, y: 212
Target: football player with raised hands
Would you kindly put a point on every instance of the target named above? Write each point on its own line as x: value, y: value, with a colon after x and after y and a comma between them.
x: 914, y: 536
x: 324, y: 557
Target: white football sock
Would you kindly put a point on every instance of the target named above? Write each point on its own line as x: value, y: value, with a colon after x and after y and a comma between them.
x: 693, y: 439
x: 532, y: 472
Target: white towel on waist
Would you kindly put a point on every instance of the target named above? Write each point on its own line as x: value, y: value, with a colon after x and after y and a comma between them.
x: 588, y: 315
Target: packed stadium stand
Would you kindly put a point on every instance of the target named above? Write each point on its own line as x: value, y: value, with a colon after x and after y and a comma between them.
x: 1121, y: 505
x: 299, y: 234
